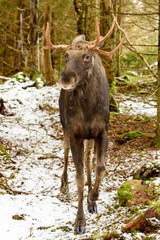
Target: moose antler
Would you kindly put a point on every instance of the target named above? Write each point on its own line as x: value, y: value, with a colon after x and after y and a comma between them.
x: 49, y: 44
x: 101, y: 40
x: 93, y: 47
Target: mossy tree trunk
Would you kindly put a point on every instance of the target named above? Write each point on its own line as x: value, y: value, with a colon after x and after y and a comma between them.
x: 48, y: 69
x: 86, y: 11
x: 158, y: 91
x: 81, y: 9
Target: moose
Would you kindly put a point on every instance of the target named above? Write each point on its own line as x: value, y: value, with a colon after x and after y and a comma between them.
x: 84, y: 114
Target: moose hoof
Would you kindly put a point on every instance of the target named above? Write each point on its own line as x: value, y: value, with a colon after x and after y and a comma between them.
x: 92, y: 206
x: 80, y: 226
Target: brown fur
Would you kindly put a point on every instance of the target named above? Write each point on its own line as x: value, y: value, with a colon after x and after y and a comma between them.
x: 84, y: 113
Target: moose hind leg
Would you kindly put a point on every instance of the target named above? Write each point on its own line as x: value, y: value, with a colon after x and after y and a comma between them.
x: 77, y: 149
x: 101, y: 145
x: 64, y: 178
x: 88, y: 156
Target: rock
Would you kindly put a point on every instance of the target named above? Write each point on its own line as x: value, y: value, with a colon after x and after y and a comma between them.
x: 148, y: 222
x: 20, y: 77
x: 3, y: 110
x: 148, y: 170
x: 133, y: 192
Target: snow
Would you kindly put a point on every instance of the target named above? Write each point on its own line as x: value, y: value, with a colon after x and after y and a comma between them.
x: 34, y: 130
x: 136, y: 106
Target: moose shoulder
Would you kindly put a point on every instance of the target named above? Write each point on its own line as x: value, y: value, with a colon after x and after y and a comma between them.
x: 84, y: 114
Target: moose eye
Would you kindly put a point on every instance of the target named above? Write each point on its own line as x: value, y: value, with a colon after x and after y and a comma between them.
x: 86, y: 58
x: 66, y: 56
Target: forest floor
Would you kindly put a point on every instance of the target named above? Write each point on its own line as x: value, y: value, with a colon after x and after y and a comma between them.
x: 31, y: 164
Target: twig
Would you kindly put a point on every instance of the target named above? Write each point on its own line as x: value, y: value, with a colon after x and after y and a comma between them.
x: 4, y: 185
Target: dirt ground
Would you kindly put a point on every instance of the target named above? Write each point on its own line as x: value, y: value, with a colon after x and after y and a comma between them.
x: 31, y: 165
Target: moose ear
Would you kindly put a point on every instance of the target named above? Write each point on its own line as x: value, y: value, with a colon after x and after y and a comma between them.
x: 79, y: 38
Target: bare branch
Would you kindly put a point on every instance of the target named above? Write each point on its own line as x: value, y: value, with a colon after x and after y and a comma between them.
x: 135, y: 50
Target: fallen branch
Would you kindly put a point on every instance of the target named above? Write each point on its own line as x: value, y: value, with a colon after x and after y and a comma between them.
x: 5, y: 186
x: 146, y: 223
x: 4, y: 78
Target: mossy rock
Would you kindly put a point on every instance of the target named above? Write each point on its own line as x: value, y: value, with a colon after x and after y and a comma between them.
x: 133, y: 192
x: 20, y: 77
x: 124, y: 193
x: 129, y: 136
x: 38, y: 78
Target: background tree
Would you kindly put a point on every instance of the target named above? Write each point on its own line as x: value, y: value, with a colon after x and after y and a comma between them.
x: 19, y: 59
x: 48, y: 69
x: 158, y: 86
x: 105, y: 24
x: 34, y: 35
x: 21, y: 44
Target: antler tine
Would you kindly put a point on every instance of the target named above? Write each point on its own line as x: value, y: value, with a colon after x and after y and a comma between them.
x: 109, y: 32
x: 50, y: 45
x: 109, y: 54
x: 99, y: 39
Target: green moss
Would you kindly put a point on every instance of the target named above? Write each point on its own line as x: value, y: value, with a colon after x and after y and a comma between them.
x: 97, y: 237
x: 124, y: 193
x: 156, y: 143
x: 157, y: 206
x: 129, y: 136
x: 20, y: 77
x: 64, y: 228
x: 134, y: 134
x: 116, y: 235
x: 113, y: 104
x: 38, y: 78
x: 3, y: 153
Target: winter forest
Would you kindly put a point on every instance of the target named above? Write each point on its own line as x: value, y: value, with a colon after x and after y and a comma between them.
x: 32, y: 203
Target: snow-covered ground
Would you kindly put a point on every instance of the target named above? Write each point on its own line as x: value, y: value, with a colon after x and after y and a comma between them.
x: 41, y: 212
x: 137, y: 106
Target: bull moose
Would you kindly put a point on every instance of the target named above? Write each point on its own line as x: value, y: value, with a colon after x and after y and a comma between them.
x: 84, y: 113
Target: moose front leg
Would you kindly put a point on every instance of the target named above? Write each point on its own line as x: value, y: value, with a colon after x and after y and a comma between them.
x: 64, y: 178
x: 77, y: 149
x: 101, y: 145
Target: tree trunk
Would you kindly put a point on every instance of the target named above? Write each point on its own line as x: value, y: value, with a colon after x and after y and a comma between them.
x: 118, y: 37
x: 48, y: 70
x: 158, y: 92
x: 33, y: 34
x: 19, y: 62
x: 105, y: 24
x: 81, y: 9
